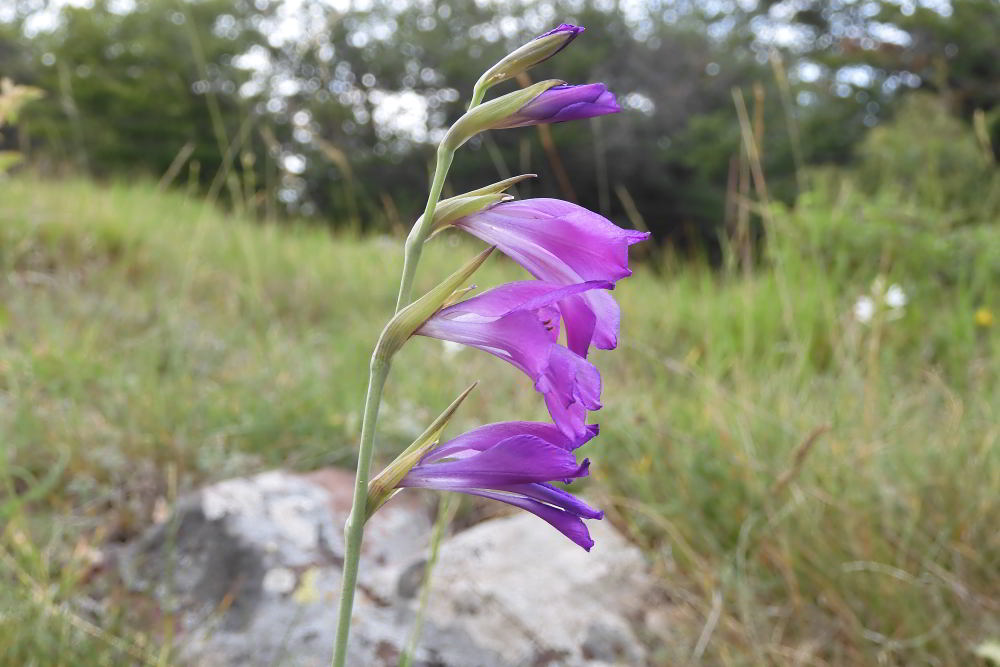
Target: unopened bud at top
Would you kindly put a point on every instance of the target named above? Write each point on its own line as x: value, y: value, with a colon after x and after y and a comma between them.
x: 527, y: 56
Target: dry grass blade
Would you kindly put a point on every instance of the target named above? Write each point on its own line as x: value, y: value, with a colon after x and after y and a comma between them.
x: 798, y: 459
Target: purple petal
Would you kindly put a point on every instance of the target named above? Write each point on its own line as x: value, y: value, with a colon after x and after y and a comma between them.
x: 571, y: 386
x: 608, y: 316
x: 564, y: 27
x: 571, y: 419
x: 581, y: 323
x: 556, y: 240
x: 560, y: 498
x: 563, y: 103
x: 524, y: 295
x: 562, y: 243
x: 487, y: 436
x: 571, y: 372
x: 513, y: 322
x: 521, y: 459
x: 565, y: 522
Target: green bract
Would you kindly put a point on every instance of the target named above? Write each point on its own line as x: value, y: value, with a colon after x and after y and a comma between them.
x: 451, y: 209
x: 409, y: 319
x: 383, y: 486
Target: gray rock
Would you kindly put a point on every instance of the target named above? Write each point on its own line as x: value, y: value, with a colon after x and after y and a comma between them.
x: 526, y: 595
x: 251, y: 567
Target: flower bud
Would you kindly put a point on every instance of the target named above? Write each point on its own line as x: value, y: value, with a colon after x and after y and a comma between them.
x: 527, y: 56
x: 409, y: 319
x: 561, y: 103
x: 492, y: 114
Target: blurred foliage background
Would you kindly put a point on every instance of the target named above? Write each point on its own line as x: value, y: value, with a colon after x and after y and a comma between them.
x: 201, y: 211
x: 329, y: 110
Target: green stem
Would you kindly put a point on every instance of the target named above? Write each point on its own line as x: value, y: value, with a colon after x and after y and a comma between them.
x: 377, y: 374
x: 415, y: 241
x: 477, y: 94
x: 354, y: 530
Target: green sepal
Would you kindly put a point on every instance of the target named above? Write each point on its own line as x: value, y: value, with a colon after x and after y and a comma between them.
x: 409, y: 319
x: 491, y: 114
x: 451, y: 209
x: 383, y: 486
x: 498, y: 187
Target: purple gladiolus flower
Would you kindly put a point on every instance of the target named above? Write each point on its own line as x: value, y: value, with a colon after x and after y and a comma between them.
x: 562, y: 103
x: 564, y: 244
x: 512, y: 462
x: 519, y: 323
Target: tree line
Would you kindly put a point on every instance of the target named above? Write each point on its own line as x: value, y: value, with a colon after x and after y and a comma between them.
x: 332, y: 114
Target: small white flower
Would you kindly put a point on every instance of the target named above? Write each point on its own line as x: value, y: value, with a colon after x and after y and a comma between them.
x: 895, y: 297
x: 864, y: 309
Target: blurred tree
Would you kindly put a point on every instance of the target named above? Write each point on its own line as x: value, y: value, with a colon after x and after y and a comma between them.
x: 129, y: 89
x: 335, y: 113
x: 880, y: 47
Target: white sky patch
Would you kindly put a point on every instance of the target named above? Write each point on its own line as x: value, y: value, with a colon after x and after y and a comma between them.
x: 807, y: 72
x: 121, y: 6
x: 784, y: 35
x: 256, y: 59
x: 640, y: 103
x: 402, y: 113
x: 251, y: 88
x: 294, y: 163
x: 886, y: 32
x: 942, y: 7
x: 299, y: 20
x: 287, y: 87
x: 861, y: 76
x: 47, y: 19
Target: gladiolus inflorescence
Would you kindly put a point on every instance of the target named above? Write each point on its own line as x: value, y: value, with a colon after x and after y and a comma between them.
x: 544, y: 327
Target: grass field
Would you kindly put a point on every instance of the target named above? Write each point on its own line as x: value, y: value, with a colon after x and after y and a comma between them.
x: 810, y: 489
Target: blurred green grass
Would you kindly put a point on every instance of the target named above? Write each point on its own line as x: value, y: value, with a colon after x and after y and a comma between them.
x: 810, y: 489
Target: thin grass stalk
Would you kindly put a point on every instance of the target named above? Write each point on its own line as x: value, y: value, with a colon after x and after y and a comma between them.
x: 446, y: 512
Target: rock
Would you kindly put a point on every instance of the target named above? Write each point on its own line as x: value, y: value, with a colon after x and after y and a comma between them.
x: 525, y: 595
x: 251, y: 567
